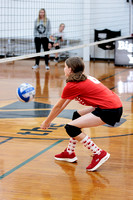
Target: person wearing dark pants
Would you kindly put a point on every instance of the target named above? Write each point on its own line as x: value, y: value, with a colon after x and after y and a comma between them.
x: 42, y: 30
x: 44, y: 42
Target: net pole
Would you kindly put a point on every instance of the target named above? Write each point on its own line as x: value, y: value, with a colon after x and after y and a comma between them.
x: 130, y: 17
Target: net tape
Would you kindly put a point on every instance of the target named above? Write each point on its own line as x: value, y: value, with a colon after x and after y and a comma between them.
x: 11, y: 59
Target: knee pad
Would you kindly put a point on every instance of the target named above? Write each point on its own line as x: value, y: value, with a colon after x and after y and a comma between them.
x: 57, y: 47
x: 72, y: 131
x: 76, y: 115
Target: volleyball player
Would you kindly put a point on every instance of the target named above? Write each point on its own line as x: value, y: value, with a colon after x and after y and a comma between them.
x: 102, y: 107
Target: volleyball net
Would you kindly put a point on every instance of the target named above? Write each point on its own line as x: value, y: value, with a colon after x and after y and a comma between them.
x: 83, y: 19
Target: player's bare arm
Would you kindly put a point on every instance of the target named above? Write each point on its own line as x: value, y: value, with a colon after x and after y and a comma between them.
x: 56, y: 110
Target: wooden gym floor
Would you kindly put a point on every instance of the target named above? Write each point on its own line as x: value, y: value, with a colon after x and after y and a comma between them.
x: 28, y: 170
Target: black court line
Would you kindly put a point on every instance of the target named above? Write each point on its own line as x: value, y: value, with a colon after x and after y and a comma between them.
x: 128, y: 99
x: 113, y: 75
x: 28, y: 160
x: 4, y: 141
x: 100, y: 137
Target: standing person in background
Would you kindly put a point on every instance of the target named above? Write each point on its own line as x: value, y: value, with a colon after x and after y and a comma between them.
x: 56, y: 39
x: 42, y: 31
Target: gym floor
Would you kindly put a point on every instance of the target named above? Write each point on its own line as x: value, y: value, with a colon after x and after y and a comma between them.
x: 28, y: 170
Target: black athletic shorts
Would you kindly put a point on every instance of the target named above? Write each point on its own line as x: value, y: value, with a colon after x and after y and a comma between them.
x: 109, y: 116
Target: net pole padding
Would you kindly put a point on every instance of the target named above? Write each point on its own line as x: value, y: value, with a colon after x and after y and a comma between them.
x: 23, y: 57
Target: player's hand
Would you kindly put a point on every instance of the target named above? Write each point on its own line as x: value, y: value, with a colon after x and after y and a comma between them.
x: 45, y: 125
x: 53, y: 38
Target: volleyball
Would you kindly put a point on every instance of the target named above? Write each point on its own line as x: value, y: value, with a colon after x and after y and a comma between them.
x: 25, y: 92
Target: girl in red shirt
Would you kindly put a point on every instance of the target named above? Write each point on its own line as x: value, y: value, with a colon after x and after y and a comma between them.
x: 103, y: 107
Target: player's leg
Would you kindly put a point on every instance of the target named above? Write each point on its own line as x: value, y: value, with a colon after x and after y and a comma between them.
x: 74, y: 130
x: 38, y: 49
x: 69, y: 153
x: 56, y: 45
x: 45, y: 43
x: 49, y: 45
x: 77, y: 114
x: 87, y: 120
x: 86, y: 111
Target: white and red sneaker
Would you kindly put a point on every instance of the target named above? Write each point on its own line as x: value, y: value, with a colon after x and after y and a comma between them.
x: 65, y: 156
x: 98, y: 160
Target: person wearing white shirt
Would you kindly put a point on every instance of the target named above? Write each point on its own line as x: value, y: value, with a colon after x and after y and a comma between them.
x: 56, y: 38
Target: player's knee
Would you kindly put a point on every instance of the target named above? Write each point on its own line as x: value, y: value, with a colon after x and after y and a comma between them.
x: 49, y: 46
x: 72, y: 131
x: 76, y: 115
x: 57, y: 47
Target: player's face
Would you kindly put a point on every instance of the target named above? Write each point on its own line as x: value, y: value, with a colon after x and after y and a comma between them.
x: 61, y: 28
x: 41, y: 14
x: 67, y: 70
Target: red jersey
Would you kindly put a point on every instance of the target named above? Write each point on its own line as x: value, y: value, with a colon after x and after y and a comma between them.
x: 91, y: 92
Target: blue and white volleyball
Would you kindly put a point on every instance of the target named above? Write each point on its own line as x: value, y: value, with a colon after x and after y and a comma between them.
x: 25, y: 92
